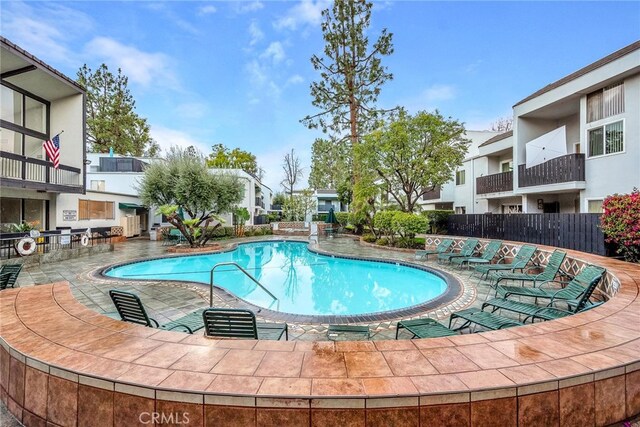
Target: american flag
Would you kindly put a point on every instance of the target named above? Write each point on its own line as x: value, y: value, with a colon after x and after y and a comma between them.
x: 52, y: 147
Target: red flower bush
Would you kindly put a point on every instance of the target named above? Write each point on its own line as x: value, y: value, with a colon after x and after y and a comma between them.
x: 620, y: 223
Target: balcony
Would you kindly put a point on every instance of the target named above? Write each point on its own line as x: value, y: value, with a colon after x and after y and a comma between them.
x: 25, y: 172
x: 121, y: 164
x: 495, y: 183
x: 564, y: 169
x: 432, y: 195
x: 259, y: 202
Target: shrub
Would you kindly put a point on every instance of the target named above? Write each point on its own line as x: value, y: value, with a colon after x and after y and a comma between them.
x: 350, y: 228
x: 369, y: 238
x: 383, y: 221
x: 620, y: 223
x: 407, y: 225
x: 258, y: 231
x: 382, y: 242
x: 267, y: 232
x: 437, y: 220
x: 322, y: 217
x: 343, y: 218
x: 249, y: 232
x: 229, y: 231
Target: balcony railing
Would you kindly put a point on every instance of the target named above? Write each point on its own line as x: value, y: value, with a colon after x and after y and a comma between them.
x: 121, y: 164
x: 27, y: 172
x: 495, y: 183
x: 432, y: 195
x: 259, y: 202
x: 566, y: 168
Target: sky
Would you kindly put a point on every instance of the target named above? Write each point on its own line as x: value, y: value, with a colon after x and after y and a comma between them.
x: 238, y: 73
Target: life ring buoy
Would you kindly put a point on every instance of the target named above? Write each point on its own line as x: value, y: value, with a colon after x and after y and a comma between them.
x: 84, y: 240
x: 26, y: 246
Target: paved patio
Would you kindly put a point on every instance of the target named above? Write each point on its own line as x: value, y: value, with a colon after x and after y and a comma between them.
x: 167, y: 300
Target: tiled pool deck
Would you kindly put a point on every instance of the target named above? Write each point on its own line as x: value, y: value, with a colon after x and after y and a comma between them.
x: 65, y: 364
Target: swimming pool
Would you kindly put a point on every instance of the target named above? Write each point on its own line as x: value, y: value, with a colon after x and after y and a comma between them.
x: 303, y: 281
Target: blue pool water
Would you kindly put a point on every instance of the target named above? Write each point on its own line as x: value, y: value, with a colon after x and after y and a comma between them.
x: 303, y: 281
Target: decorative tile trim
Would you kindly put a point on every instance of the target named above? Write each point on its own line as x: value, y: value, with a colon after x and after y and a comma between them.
x: 578, y: 380
x: 97, y: 383
x: 338, y: 403
x: 17, y: 355
x: 274, y: 402
x: 497, y: 393
x: 37, y: 365
x: 61, y: 373
x: 537, y: 388
x: 635, y: 366
x: 603, y: 375
x: 176, y: 396
x: 220, y: 400
x: 135, y: 390
x: 392, y: 402
x: 442, y: 399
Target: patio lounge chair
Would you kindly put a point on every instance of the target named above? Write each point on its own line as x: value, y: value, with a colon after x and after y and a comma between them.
x: 238, y: 323
x: 483, y: 318
x: 487, y: 256
x: 9, y: 275
x: 533, y: 311
x: 130, y: 309
x: 551, y: 269
x: 571, y: 293
x: 468, y: 249
x: 520, y: 261
x: 424, y: 328
x: 442, y: 247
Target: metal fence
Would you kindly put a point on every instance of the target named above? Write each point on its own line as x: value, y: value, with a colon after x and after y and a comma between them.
x: 52, y: 240
x: 579, y: 231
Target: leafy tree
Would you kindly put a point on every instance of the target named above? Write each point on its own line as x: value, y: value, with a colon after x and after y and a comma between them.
x: 413, y: 154
x: 292, y: 172
x: 111, y: 117
x: 351, y: 73
x: 240, y: 216
x: 278, y: 199
x: 189, y: 195
x: 222, y: 157
x: 331, y: 163
x: 298, y: 207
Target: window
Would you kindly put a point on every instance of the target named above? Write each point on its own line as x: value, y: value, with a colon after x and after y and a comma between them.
x: 594, y: 206
x: 607, y: 139
x: 11, y: 109
x: 93, y: 209
x: 605, y: 102
x: 24, y: 121
x: 10, y: 141
x: 506, y: 166
x: 460, y: 177
x: 97, y: 185
x: 461, y: 210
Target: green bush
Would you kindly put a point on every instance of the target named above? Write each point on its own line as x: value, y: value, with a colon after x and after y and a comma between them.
x: 419, y: 242
x: 350, y: 228
x: 437, y: 220
x: 382, y: 241
x: 249, y: 232
x: 343, y: 218
x: 258, y: 231
x: 369, y: 238
x: 383, y: 221
x: 319, y: 217
x: 407, y: 225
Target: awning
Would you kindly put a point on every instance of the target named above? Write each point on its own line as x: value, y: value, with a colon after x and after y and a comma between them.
x: 130, y: 206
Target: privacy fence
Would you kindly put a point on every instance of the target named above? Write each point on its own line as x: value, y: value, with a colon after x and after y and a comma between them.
x: 571, y: 231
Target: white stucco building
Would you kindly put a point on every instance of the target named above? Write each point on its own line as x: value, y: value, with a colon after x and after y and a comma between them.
x: 37, y: 102
x: 257, y: 196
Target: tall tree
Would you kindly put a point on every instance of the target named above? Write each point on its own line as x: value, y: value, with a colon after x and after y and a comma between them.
x: 351, y: 73
x: 111, y: 117
x: 411, y: 155
x: 503, y: 124
x: 292, y: 172
x: 223, y: 157
x: 331, y: 164
x: 189, y: 195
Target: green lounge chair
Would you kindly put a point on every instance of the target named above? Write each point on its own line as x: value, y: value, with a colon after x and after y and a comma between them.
x: 130, y: 309
x: 239, y: 323
x: 487, y: 256
x: 572, y: 293
x: 549, y: 273
x: 520, y: 261
x: 468, y: 249
x: 483, y: 318
x: 442, y: 247
x: 424, y: 328
x: 534, y: 311
x: 9, y: 275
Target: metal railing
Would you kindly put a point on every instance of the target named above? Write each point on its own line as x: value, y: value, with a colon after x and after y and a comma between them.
x: 38, y: 171
x: 221, y: 264
x: 48, y: 241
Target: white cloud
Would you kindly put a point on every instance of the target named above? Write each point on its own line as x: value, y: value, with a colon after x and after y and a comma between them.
x: 255, y: 32
x: 275, y: 52
x: 166, y: 138
x: 191, y: 110
x: 295, y: 79
x: 306, y: 12
x: 207, y: 10
x: 439, y: 92
x: 45, y: 30
x: 141, y: 67
x: 247, y: 7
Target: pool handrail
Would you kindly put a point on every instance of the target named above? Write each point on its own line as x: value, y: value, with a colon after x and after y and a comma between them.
x: 220, y: 264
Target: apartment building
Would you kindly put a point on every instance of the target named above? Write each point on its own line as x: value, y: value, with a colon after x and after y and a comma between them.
x: 257, y: 196
x: 573, y: 143
x: 37, y: 103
